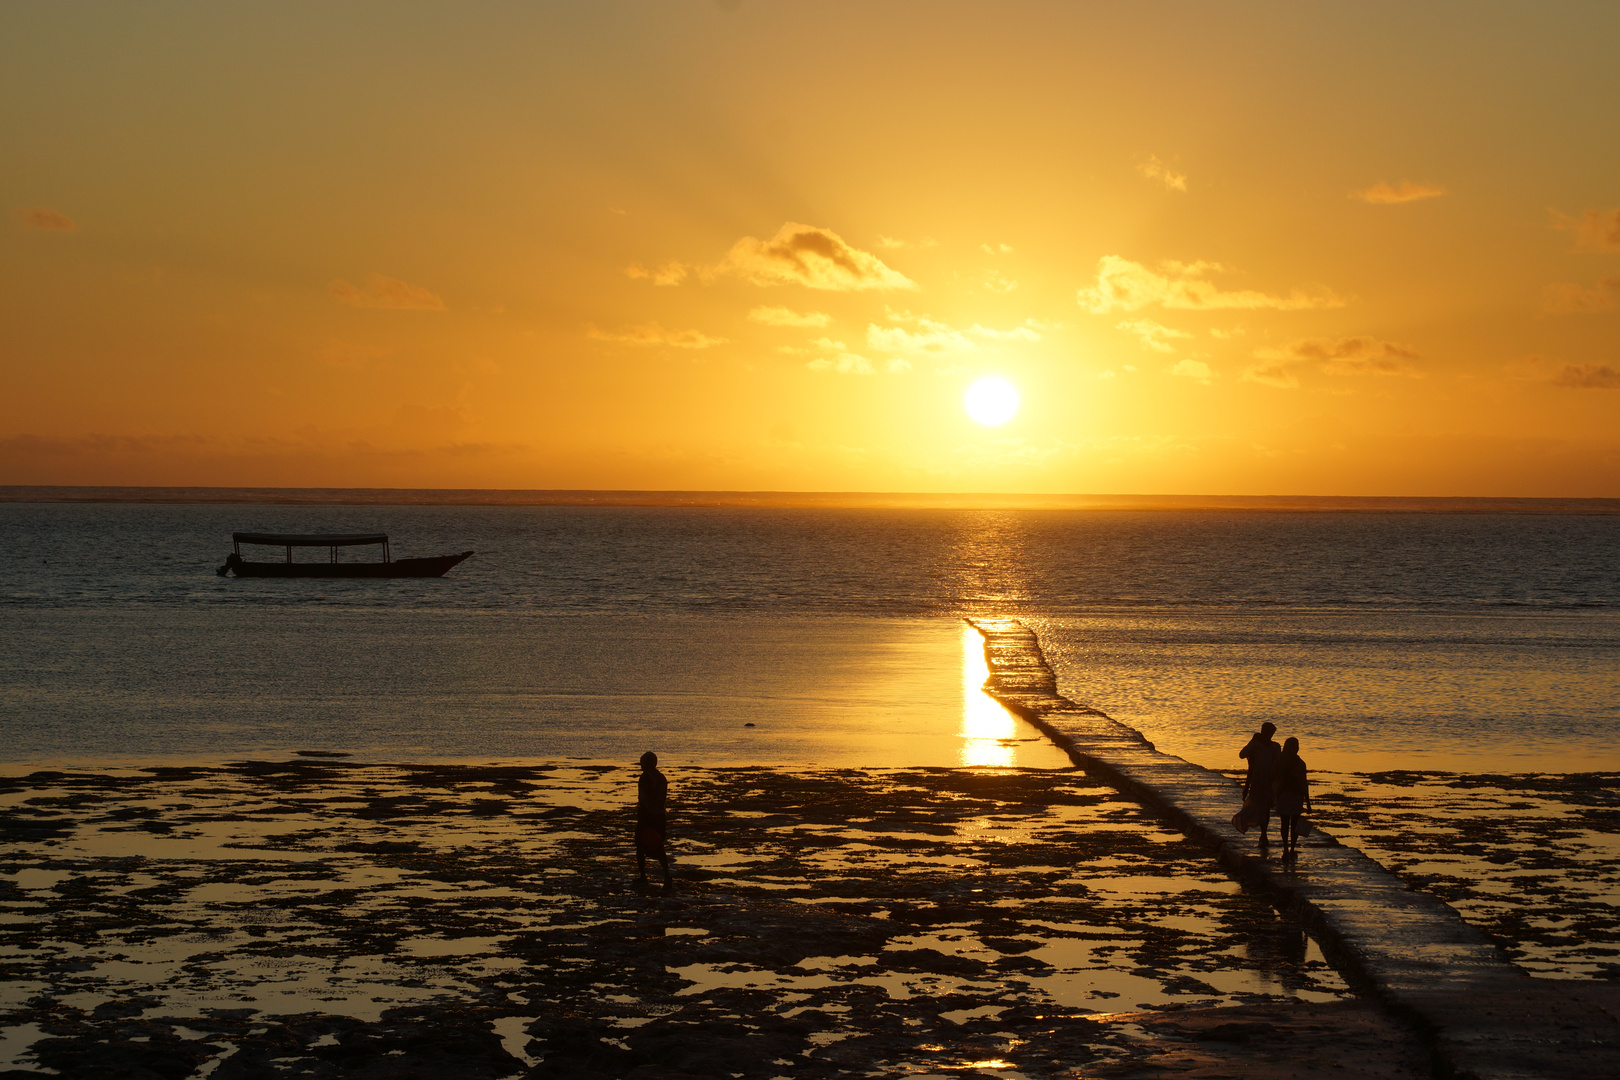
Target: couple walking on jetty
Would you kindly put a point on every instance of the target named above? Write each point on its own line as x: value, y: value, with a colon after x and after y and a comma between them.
x: 1277, y: 780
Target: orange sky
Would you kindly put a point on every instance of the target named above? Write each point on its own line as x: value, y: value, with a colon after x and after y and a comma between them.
x: 1255, y: 248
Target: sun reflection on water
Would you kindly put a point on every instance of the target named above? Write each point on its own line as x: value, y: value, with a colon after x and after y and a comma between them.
x: 987, y: 728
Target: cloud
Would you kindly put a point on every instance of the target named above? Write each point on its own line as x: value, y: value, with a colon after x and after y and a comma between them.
x: 1152, y: 335
x: 1382, y: 194
x: 386, y: 292
x: 653, y: 334
x: 997, y: 249
x: 1351, y: 355
x: 895, y: 244
x: 781, y: 316
x: 670, y: 273
x: 1277, y: 375
x: 813, y: 257
x: 1027, y: 332
x: 928, y: 337
x: 46, y: 220
x: 1588, y: 377
x: 1595, y: 230
x: 1123, y: 285
x: 1154, y: 169
x: 998, y: 284
x: 1565, y: 298
x: 1335, y: 356
x: 933, y: 338
x: 844, y: 364
x: 1192, y: 369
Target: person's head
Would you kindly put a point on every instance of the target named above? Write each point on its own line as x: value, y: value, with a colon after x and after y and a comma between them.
x: 649, y: 760
x: 1290, y: 747
x: 1267, y: 730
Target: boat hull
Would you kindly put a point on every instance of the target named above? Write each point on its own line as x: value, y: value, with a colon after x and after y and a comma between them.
x: 436, y: 566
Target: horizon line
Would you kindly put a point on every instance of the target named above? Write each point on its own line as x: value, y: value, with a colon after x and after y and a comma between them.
x: 764, y: 499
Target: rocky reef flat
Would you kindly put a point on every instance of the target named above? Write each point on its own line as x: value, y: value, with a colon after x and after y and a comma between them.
x: 326, y: 918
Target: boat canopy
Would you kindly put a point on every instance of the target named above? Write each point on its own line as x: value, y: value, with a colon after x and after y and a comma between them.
x: 311, y: 539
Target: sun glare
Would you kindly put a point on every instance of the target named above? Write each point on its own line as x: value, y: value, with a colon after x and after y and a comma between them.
x: 987, y: 728
x: 991, y: 401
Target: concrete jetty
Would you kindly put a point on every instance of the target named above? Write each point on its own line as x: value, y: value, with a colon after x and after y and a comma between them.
x: 1483, y: 1016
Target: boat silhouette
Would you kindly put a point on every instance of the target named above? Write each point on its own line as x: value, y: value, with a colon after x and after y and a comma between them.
x: 436, y: 566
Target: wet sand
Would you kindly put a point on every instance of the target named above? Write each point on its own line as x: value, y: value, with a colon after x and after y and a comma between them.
x: 321, y: 918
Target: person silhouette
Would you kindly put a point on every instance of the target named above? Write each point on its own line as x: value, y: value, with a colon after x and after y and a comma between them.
x: 1262, y: 754
x: 652, y: 825
x: 1291, y: 794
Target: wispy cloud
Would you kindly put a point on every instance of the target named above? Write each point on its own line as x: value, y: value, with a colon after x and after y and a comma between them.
x: 1588, y: 377
x: 781, y: 316
x: 1595, y: 230
x: 996, y: 283
x: 1123, y: 285
x: 1384, y: 194
x: 843, y: 362
x: 1351, y: 355
x: 386, y: 292
x: 1152, y: 335
x: 894, y: 243
x: 1278, y: 375
x: 813, y: 257
x: 653, y: 334
x: 934, y: 338
x: 928, y: 337
x: 1192, y: 369
x: 1154, y: 169
x: 1334, y: 356
x: 996, y: 249
x: 1567, y: 298
x: 668, y: 273
x: 45, y: 219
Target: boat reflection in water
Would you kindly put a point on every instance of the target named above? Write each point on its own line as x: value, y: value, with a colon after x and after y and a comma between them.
x: 387, y: 568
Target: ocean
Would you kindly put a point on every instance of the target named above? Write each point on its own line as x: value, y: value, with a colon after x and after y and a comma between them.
x: 1474, y: 642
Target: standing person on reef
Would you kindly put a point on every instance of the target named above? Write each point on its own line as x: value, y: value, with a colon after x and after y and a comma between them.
x: 1290, y: 794
x: 1262, y: 754
x: 652, y: 792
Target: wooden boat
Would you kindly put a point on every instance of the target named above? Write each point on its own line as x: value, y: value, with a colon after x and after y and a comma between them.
x: 388, y: 568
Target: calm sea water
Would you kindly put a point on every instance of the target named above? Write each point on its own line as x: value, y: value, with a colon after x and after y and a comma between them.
x: 1479, y: 642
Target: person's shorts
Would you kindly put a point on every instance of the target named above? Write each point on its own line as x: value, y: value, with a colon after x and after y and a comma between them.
x: 649, y: 840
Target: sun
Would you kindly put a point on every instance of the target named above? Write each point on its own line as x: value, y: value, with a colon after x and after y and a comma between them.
x: 991, y: 401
